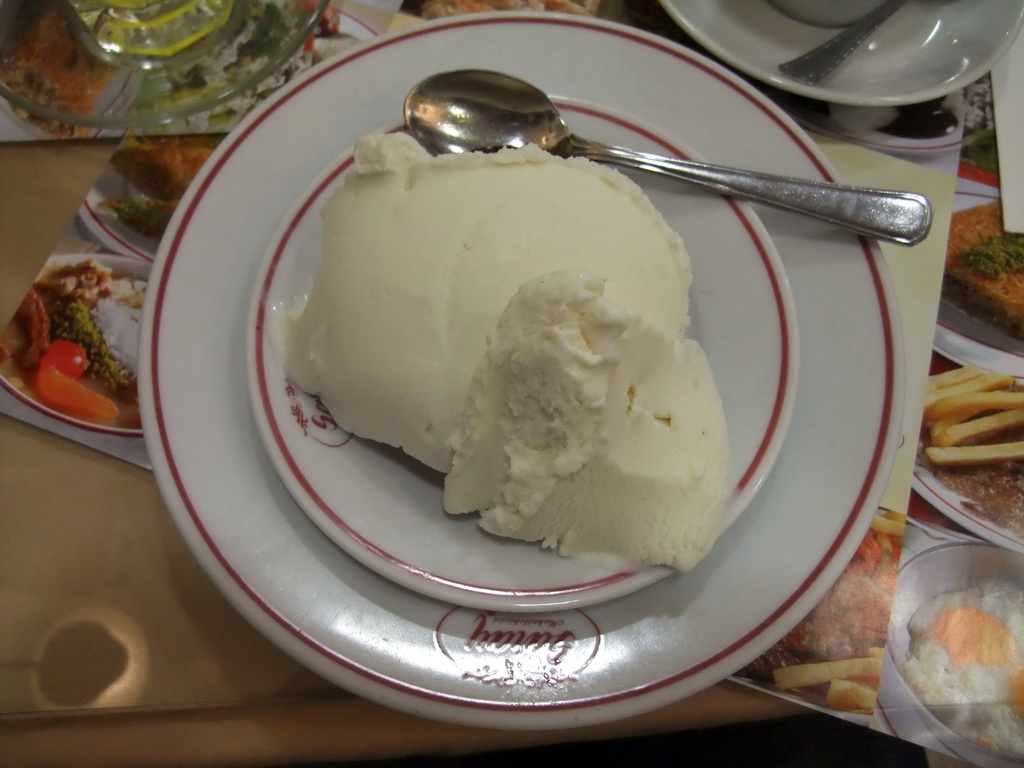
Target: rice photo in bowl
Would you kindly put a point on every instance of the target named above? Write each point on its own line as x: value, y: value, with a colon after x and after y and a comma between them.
x: 955, y: 666
x: 965, y: 662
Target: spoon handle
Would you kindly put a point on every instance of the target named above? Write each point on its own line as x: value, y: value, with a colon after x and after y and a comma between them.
x: 899, y: 217
x: 817, y: 64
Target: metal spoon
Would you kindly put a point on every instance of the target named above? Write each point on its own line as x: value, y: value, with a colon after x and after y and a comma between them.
x: 815, y: 65
x: 472, y: 109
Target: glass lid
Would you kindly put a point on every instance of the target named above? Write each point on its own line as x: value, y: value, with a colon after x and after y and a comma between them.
x: 53, y: 68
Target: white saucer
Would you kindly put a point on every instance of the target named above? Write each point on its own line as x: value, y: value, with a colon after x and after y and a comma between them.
x: 927, y: 49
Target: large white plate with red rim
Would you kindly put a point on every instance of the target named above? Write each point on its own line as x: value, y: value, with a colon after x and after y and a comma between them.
x: 550, y: 669
x: 387, y: 512
x: 929, y: 48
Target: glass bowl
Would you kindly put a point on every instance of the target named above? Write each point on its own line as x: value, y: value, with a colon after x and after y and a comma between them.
x: 49, y: 70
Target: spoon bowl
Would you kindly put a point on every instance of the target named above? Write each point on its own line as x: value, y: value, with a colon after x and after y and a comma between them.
x: 474, y: 110
x: 478, y: 110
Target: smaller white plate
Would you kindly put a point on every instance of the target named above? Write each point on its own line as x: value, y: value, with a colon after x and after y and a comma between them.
x: 386, y: 510
x: 928, y: 48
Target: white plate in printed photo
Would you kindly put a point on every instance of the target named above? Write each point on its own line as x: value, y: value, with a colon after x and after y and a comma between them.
x: 132, y: 275
x: 964, y: 511
x: 103, y: 225
x: 967, y: 338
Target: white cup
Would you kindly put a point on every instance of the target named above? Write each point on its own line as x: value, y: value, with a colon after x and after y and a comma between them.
x: 826, y: 13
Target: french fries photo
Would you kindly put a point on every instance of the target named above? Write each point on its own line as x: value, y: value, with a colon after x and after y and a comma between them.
x: 867, y: 668
x: 833, y: 658
x: 973, y: 418
x: 851, y: 696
